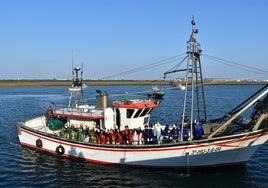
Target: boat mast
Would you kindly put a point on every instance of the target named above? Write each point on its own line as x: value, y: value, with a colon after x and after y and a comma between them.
x: 194, y: 100
x: 76, y: 91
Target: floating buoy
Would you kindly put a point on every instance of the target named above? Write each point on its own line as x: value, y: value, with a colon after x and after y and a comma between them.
x: 39, y: 143
x: 60, y: 150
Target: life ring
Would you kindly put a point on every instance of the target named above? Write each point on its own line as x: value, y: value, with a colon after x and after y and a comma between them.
x: 39, y: 143
x: 60, y: 150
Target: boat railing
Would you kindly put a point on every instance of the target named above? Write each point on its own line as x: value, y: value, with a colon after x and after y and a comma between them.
x: 39, y: 121
x: 76, y: 135
x: 193, y: 47
x: 78, y: 110
x: 95, y: 135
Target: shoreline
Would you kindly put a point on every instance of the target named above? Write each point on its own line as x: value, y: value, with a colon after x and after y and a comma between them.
x: 39, y: 83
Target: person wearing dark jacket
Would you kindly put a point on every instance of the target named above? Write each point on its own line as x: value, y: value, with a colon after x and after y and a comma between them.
x: 198, y: 131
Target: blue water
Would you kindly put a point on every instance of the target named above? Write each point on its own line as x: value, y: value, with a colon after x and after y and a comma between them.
x: 24, y: 167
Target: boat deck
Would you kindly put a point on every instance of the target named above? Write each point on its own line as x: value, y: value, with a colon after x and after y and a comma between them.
x: 39, y: 124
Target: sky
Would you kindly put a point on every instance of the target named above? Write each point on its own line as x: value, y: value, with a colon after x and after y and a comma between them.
x: 39, y: 39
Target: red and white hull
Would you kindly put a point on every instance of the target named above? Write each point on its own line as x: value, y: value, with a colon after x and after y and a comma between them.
x: 222, y: 151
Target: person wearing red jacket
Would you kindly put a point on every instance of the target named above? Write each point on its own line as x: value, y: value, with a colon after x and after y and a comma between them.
x: 118, y: 136
x: 112, y: 136
x: 103, y: 137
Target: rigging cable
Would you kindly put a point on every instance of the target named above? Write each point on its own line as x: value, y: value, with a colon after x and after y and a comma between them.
x: 158, y: 63
x: 175, y: 68
x: 238, y: 108
x: 237, y: 65
x: 178, y: 65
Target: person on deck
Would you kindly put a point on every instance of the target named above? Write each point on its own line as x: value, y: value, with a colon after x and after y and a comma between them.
x: 185, y: 119
x: 140, y: 135
x: 198, y: 131
x: 158, y: 132
x: 126, y: 135
x: 146, y: 134
x: 118, y: 136
x: 135, y: 137
x: 169, y: 133
x: 97, y: 134
x: 49, y: 114
x: 131, y: 136
x: 81, y: 135
x: 92, y: 137
x: 175, y: 133
x: 103, y: 136
x: 112, y: 136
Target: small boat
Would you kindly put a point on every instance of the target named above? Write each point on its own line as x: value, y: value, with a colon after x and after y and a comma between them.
x: 121, y: 133
x: 178, y: 87
x: 156, y: 93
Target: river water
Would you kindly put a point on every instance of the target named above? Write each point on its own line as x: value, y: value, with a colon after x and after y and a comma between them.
x: 24, y: 167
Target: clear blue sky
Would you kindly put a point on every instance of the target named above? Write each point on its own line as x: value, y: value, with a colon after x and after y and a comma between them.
x: 39, y: 37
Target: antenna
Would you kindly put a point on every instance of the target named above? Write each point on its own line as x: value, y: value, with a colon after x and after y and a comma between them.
x: 73, y: 67
x: 193, y: 22
x: 82, y: 70
x: 81, y: 75
x: 194, y: 31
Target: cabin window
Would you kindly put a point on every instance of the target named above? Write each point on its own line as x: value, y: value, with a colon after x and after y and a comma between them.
x: 146, y: 121
x: 144, y: 112
x: 151, y: 109
x: 118, y: 118
x: 130, y: 113
x: 138, y: 113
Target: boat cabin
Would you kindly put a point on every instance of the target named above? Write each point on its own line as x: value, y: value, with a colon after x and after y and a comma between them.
x: 134, y: 113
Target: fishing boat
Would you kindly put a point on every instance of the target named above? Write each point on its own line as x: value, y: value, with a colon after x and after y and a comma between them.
x: 177, y: 87
x: 156, y: 93
x: 80, y: 130
x: 176, y: 84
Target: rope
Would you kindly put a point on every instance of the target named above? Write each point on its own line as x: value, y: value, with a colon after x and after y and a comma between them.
x: 158, y: 63
x: 176, y: 66
x: 237, y: 65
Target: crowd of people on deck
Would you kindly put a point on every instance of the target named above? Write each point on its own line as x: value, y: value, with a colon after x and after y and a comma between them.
x: 151, y: 134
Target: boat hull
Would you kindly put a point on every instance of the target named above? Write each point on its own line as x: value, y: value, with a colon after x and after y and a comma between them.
x: 231, y: 150
x: 156, y: 95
